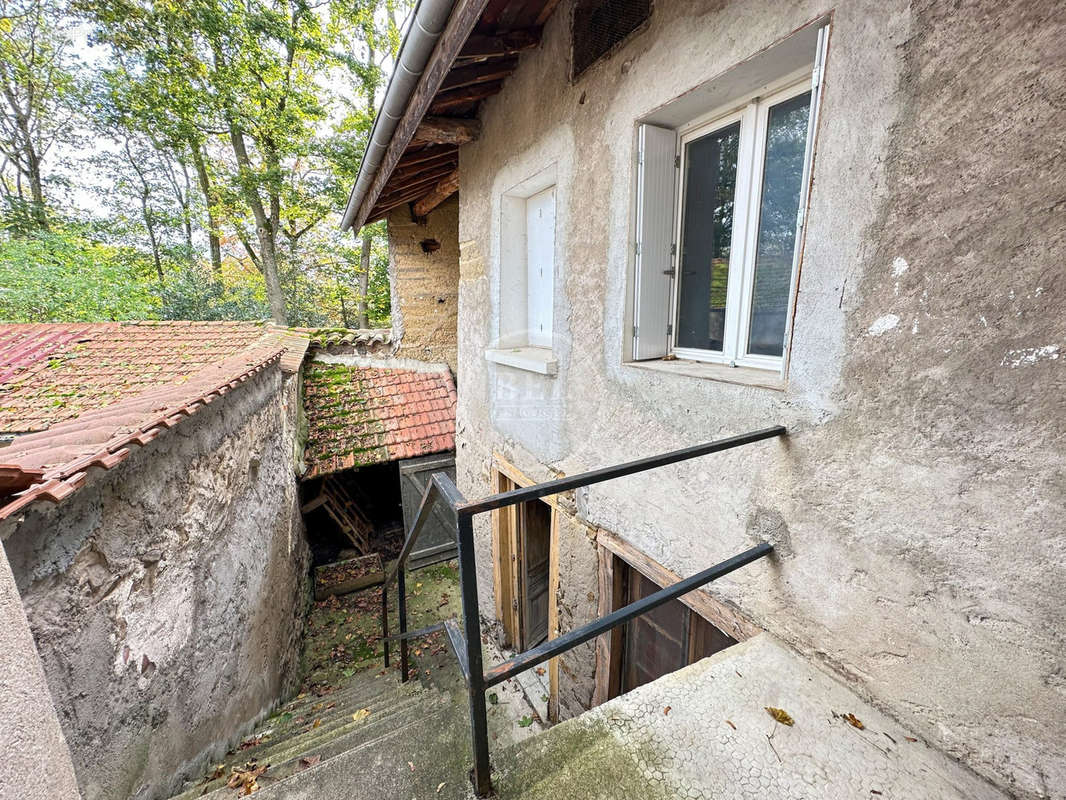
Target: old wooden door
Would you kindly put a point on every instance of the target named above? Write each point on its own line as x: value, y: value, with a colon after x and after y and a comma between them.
x: 534, y: 528
x: 437, y: 540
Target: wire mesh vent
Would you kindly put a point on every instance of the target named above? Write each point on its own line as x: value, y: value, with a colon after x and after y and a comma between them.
x: 599, y: 25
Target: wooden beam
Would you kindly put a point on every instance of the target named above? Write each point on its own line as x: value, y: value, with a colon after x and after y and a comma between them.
x: 716, y: 612
x: 421, y: 154
x: 404, y: 173
x: 412, y: 191
x: 446, y: 130
x: 474, y: 74
x: 446, y: 101
x: 448, y: 186
x: 460, y: 24
x: 546, y: 12
x: 505, y: 44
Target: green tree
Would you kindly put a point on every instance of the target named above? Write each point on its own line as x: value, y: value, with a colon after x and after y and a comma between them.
x: 41, y: 96
x: 62, y: 275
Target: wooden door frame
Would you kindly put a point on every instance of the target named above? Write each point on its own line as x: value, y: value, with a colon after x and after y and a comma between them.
x: 613, y: 550
x: 505, y: 561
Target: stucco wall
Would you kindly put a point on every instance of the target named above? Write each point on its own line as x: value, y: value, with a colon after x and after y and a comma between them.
x: 425, y: 286
x: 167, y: 596
x: 36, y: 763
x: 918, y: 503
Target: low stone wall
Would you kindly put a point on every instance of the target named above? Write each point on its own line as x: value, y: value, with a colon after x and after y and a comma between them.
x: 167, y: 597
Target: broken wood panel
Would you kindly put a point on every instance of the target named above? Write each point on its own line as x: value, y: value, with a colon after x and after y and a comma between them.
x: 447, y: 186
x: 460, y: 24
x: 446, y: 130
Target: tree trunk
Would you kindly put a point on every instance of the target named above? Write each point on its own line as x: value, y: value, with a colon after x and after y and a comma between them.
x: 36, y: 187
x: 364, y: 280
x: 209, y: 202
x: 265, y: 232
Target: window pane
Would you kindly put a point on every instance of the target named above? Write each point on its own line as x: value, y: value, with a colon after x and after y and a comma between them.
x: 786, y: 143
x: 706, y: 235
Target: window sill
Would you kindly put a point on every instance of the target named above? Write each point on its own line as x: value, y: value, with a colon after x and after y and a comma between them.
x: 532, y: 359
x: 744, y: 376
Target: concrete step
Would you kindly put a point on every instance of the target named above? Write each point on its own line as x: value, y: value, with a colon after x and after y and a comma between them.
x: 341, y: 732
x: 428, y: 758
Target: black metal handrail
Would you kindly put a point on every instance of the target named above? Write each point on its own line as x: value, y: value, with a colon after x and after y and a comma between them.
x: 467, y: 644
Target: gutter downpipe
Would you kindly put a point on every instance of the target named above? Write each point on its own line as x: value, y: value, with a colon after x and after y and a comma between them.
x: 427, y: 24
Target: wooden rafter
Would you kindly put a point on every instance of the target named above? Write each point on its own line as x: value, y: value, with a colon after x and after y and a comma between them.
x: 479, y: 73
x: 446, y: 130
x: 448, y: 101
x: 461, y: 22
x: 447, y: 186
x: 505, y: 44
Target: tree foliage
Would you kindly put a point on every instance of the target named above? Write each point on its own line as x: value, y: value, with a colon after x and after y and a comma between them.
x: 226, y: 134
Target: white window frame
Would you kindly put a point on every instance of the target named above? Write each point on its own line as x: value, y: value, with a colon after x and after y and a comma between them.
x: 753, y: 117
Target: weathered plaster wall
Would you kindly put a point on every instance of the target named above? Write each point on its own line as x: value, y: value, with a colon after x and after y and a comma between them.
x: 918, y: 503
x: 36, y: 763
x: 167, y: 596
x: 425, y: 286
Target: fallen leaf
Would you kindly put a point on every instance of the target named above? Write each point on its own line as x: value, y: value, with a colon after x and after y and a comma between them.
x: 362, y: 713
x: 525, y: 722
x: 540, y: 670
x: 310, y: 761
x: 666, y: 711
x: 780, y: 715
x: 493, y: 698
x: 316, y: 723
x: 910, y: 738
x: 729, y: 722
x: 854, y: 721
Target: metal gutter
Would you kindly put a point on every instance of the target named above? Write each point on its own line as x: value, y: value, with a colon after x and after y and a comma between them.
x: 427, y: 24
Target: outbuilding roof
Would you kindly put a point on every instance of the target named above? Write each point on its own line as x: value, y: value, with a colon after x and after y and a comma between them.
x: 360, y: 414
x: 88, y: 392
x: 55, y: 371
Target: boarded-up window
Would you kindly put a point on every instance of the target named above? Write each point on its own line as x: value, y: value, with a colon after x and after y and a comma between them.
x: 599, y: 25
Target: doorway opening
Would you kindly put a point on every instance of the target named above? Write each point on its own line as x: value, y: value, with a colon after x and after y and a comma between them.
x: 353, y: 513
x: 523, y: 539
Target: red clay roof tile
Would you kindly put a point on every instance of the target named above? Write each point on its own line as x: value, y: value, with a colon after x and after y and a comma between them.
x: 361, y: 415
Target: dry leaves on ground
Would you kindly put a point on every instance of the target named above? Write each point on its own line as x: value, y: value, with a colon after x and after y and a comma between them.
x: 780, y: 715
x: 854, y: 721
x: 245, y: 779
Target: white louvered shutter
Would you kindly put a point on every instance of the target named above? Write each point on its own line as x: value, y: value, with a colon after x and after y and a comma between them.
x: 655, y: 228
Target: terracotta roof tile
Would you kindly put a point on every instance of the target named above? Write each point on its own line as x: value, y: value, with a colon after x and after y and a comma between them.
x: 361, y: 415
x: 52, y: 464
x: 57, y: 371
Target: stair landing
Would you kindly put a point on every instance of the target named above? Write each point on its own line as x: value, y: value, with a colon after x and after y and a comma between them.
x: 704, y: 733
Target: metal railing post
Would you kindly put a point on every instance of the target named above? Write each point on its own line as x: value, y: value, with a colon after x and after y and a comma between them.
x: 481, y: 776
x: 401, y: 603
x: 385, y: 620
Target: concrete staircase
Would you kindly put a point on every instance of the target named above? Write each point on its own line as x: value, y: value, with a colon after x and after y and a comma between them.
x: 701, y: 733
x: 362, y: 722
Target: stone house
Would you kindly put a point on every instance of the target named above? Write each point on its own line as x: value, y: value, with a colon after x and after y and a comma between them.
x: 683, y: 220
x: 155, y: 570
